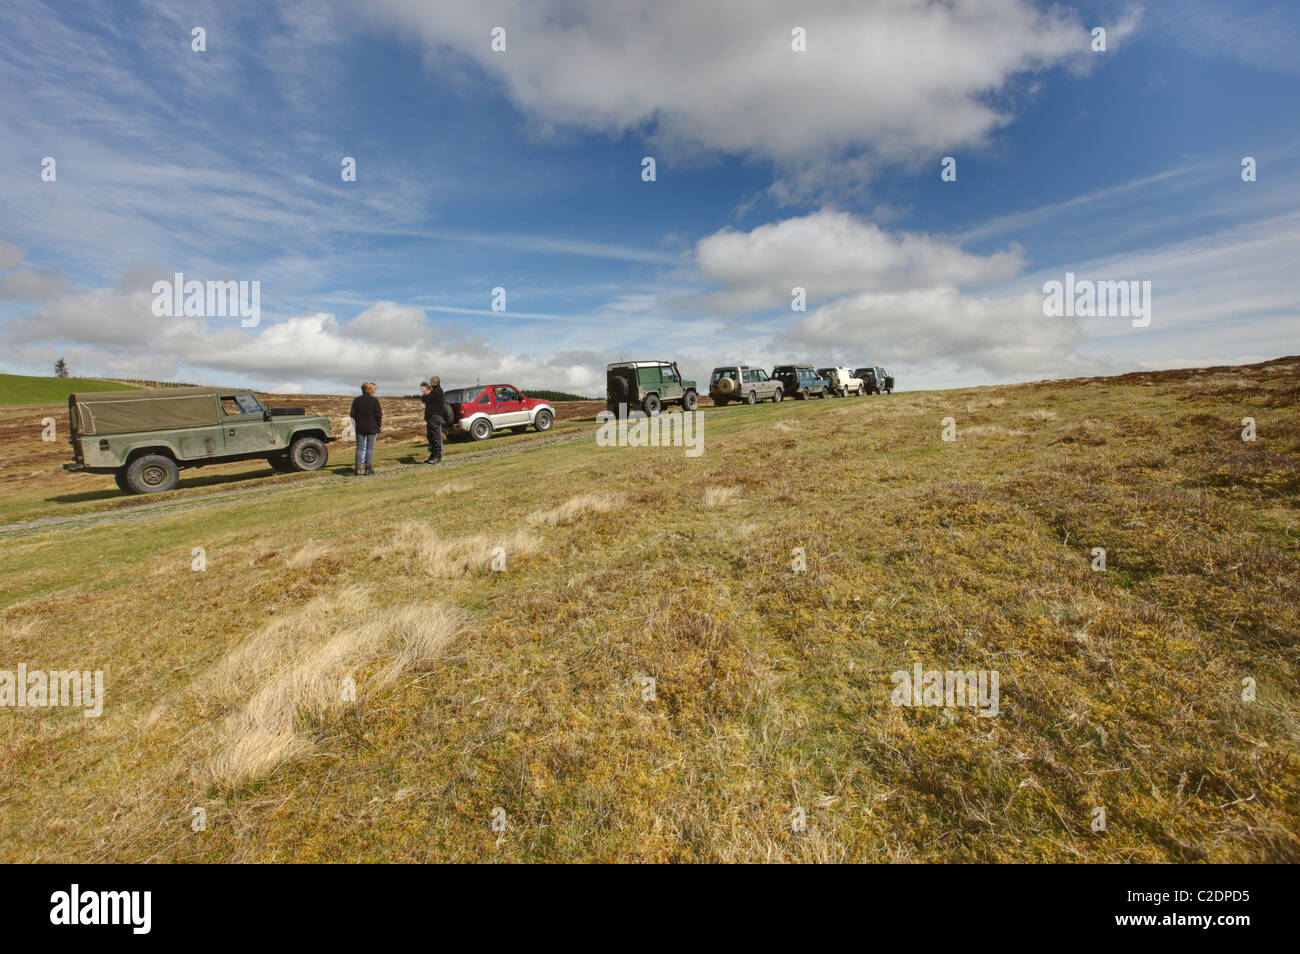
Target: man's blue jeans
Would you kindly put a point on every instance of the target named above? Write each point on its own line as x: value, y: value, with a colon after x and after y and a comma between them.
x: 365, y: 450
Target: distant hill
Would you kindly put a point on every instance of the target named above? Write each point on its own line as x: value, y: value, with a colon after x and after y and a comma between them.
x: 556, y: 396
x: 27, y: 389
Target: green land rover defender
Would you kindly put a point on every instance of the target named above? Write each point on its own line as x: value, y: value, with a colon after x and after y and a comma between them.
x: 648, y: 386
x: 143, y: 438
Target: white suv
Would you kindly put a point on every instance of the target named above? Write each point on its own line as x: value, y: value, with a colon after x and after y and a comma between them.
x: 842, y: 381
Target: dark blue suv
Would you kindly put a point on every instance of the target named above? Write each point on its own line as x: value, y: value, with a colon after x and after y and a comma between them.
x: 801, y: 381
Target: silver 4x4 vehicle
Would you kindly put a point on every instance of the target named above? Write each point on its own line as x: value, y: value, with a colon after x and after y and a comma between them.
x: 738, y: 382
x: 143, y: 438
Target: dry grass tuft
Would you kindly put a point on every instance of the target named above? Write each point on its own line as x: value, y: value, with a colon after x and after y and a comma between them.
x: 309, y: 554
x: 718, y: 496
x: 272, y: 727
x: 424, y: 550
x: 575, y: 507
x: 989, y: 430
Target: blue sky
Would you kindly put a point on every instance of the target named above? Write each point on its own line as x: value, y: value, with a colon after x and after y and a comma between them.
x: 522, y: 169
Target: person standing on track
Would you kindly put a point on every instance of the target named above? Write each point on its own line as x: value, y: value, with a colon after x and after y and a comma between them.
x: 367, y: 416
x: 435, y: 416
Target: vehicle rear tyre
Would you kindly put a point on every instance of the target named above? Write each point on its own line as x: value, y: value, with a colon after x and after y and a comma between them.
x: 652, y: 405
x: 151, y: 474
x: 751, y: 398
x: 481, y: 429
x: 543, y: 420
x: 308, y: 453
x: 802, y: 395
x: 778, y: 396
x: 690, y: 401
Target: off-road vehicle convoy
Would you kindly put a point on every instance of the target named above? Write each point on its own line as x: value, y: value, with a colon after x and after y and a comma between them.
x: 878, y: 380
x: 842, y: 381
x: 801, y: 381
x: 484, y: 409
x: 143, y: 438
x: 648, y: 385
x: 743, y: 383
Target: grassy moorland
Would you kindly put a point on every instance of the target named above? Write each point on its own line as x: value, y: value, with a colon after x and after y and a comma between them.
x: 525, y: 690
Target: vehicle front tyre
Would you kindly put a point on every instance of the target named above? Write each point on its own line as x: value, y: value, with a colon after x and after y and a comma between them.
x: 778, y: 396
x: 652, y: 405
x: 151, y: 474
x: 308, y: 453
x: 690, y: 401
x: 543, y: 420
x: 481, y: 429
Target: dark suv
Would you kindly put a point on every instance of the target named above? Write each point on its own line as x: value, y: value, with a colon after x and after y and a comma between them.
x: 801, y: 381
x: 878, y: 380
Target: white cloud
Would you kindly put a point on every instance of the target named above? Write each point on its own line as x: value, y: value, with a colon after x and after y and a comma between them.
x: 831, y: 253
x: 34, y: 284
x: 11, y: 256
x: 1008, y: 337
x: 896, y: 80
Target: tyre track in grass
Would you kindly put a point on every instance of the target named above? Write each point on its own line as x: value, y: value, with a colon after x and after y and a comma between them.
x: 166, y: 508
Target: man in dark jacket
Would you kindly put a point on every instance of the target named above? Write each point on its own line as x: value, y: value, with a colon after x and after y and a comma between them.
x: 367, y: 416
x: 436, y: 413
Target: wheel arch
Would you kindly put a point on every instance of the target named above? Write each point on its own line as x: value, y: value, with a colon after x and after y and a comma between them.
x: 165, y: 450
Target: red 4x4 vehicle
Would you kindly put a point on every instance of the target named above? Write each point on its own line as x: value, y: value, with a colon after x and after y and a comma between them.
x: 485, y: 408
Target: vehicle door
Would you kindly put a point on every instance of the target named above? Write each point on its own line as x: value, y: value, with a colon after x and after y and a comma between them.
x: 508, y: 407
x: 671, y: 387
x: 763, y: 385
x: 243, y: 425
x: 481, y: 404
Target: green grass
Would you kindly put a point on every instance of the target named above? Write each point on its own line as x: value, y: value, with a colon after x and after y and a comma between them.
x: 28, y: 389
x: 1119, y: 689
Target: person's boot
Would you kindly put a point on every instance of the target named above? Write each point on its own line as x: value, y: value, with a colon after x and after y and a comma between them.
x: 428, y: 460
x: 369, y: 470
x: 358, y: 470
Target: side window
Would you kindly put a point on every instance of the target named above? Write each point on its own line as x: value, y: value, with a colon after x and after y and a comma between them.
x: 504, y: 395
x: 239, y: 405
x: 485, y: 397
x: 761, y: 375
